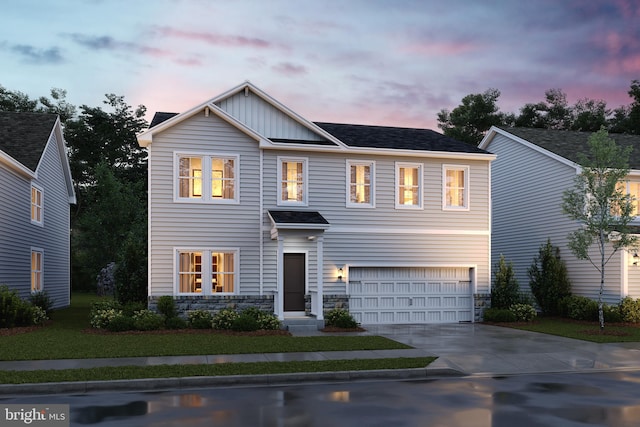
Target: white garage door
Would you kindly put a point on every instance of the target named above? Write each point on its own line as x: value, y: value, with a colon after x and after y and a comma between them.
x: 386, y: 295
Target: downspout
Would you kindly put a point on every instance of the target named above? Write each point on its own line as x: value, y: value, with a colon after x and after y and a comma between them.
x: 261, y: 234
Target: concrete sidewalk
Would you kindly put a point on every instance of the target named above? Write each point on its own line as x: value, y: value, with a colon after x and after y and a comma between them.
x: 462, y: 349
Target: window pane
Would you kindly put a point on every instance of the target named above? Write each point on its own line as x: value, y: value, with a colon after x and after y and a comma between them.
x: 409, y: 188
x: 222, y: 272
x: 292, y: 181
x: 360, y: 188
x: 222, y: 178
x: 36, y: 271
x: 190, y: 177
x: 190, y: 272
x: 36, y: 204
x: 455, y: 191
x: 634, y: 192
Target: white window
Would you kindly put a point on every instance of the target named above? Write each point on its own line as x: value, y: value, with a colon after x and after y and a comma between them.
x: 206, y: 271
x: 292, y: 181
x: 37, y: 256
x: 207, y: 178
x: 409, y: 185
x: 36, y: 205
x: 455, y: 191
x: 360, y: 185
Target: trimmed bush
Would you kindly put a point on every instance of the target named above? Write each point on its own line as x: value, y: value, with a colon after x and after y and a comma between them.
x: 340, y: 318
x: 200, y: 319
x: 523, y: 312
x: 245, y: 322
x: 224, y: 319
x: 130, y: 308
x: 630, y: 310
x: 147, y: 320
x: 499, y: 315
x: 612, y: 313
x: 101, y: 318
x: 121, y: 323
x: 549, y: 280
x: 167, y: 306
x: 13, y: 310
x: 175, y: 323
x: 580, y: 308
x: 42, y: 300
x: 505, y: 290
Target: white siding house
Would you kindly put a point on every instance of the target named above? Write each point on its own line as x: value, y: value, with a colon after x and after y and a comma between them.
x: 36, y: 190
x: 533, y: 169
x: 251, y: 204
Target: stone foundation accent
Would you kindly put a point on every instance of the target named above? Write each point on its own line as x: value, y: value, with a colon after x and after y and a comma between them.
x: 482, y: 301
x: 215, y: 303
x: 335, y: 301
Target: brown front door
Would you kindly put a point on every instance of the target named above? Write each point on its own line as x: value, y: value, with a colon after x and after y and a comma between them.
x: 294, y: 275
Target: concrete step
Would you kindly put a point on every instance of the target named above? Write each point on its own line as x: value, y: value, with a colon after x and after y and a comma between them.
x: 301, y: 324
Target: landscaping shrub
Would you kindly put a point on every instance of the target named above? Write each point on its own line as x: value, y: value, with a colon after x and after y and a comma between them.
x: 167, y: 306
x: 147, y: 320
x: 42, y: 300
x: 245, y: 322
x: 612, y: 313
x: 130, y: 308
x: 175, y: 323
x: 580, y: 308
x: 523, y: 312
x: 131, y: 271
x: 101, y: 318
x: 630, y: 310
x: 549, y: 281
x: 499, y: 315
x: 340, y: 318
x: 268, y: 321
x: 505, y: 290
x: 13, y: 310
x: 121, y: 323
x: 224, y: 319
x: 200, y: 319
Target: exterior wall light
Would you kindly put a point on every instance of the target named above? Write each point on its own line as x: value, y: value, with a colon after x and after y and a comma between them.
x: 340, y: 273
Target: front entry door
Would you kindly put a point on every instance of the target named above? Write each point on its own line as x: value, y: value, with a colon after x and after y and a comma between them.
x: 294, y: 286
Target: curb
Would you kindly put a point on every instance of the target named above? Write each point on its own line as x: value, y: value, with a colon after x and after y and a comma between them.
x: 157, y: 384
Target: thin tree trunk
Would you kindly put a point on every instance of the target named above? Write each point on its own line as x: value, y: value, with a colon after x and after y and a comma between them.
x: 602, y: 264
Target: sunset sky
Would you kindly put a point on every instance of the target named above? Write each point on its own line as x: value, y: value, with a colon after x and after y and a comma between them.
x: 385, y: 62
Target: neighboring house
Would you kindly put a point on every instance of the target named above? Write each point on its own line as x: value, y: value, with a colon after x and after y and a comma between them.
x: 36, y: 190
x: 251, y: 204
x: 533, y: 169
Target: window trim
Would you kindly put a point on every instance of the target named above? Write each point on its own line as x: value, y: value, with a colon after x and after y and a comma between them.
x: 420, y: 167
x: 40, y: 251
x: 206, y: 177
x: 206, y: 270
x: 39, y: 189
x: 372, y: 184
x: 305, y: 183
x: 467, y: 192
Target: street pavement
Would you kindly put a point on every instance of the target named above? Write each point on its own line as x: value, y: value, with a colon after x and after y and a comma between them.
x: 462, y: 350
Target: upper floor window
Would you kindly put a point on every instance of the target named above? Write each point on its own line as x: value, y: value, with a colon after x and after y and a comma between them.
x: 36, y: 205
x: 455, y: 192
x: 409, y: 185
x: 206, y: 271
x: 292, y: 181
x: 360, y: 187
x: 36, y: 270
x: 632, y: 188
x: 207, y: 178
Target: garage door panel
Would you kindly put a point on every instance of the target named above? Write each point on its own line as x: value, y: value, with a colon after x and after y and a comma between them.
x: 382, y: 300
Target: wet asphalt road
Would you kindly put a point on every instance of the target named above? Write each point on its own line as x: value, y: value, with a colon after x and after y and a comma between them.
x: 600, y: 399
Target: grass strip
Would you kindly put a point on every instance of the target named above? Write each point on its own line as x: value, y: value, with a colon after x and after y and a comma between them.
x: 586, y: 331
x: 222, y: 369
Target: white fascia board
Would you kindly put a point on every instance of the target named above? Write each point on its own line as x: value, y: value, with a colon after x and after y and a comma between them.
x: 280, y: 106
x: 495, y: 130
x: 16, y: 167
x: 64, y: 159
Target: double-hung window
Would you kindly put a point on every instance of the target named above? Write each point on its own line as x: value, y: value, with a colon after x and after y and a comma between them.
x: 210, y: 178
x: 455, y: 191
x: 292, y: 181
x: 409, y: 185
x: 37, y: 259
x: 360, y: 186
x: 632, y: 188
x: 206, y: 271
x: 36, y: 205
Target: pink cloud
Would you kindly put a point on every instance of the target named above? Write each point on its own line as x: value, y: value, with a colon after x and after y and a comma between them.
x: 290, y: 69
x: 214, y: 38
x: 439, y: 48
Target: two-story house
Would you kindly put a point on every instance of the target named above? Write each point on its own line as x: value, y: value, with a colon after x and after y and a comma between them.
x: 36, y: 190
x: 252, y: 204
x: 533, y: 169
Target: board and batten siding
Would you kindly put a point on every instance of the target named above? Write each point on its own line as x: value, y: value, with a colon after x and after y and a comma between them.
x: 384, y: 235
x: 527, y: 189
x: 203, y: 225
x: 263, y: 118
x: 18, y: 235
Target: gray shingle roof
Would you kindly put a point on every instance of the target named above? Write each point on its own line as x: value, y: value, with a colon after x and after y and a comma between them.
x: 160, y: 117
x: 397, y: 138
x: 297, y: 217
x: 24, y: 136
x: 568, y: 144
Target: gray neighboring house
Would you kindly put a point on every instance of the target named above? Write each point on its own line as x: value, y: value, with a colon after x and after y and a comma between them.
x: 36, y: 189
x: 252, y: 204
x: 532, y: 170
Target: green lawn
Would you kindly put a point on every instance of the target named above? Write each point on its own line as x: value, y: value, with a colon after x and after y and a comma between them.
x: 587, y: 331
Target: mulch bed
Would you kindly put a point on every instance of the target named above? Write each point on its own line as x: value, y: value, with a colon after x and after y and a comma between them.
x: 260, y: 333
x: 334, y: 329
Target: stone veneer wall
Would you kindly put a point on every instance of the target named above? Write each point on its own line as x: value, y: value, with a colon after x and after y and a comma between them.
x: 482, y: 302
x: 215, y: 303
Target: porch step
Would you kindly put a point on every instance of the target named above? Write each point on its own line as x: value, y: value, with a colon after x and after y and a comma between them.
x: 301, y: 324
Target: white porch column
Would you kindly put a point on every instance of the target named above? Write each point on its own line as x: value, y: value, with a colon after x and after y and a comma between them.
x: 319, y: 274
x: 279, y: 302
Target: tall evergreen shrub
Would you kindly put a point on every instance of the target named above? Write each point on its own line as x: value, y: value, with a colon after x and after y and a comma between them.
x: 548, y: 279
x: 505, y: 290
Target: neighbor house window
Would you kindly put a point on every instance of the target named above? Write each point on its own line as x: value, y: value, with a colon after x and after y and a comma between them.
x: 455, y: 190
x: 36, y: 270
x: 36, y: 205
x: 292, y: 181
x: 206, y: 272
x: 408, y: 185
x: 360, y: 191
x: 207, y: 178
